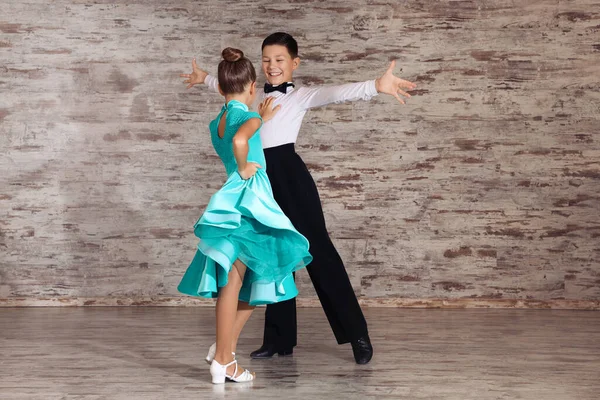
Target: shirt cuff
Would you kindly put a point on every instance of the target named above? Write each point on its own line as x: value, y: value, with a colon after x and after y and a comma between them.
x: 211, y: 81
x: 371, y: 89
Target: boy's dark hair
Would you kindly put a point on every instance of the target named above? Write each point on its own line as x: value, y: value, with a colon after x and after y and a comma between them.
x: 235, y: 71
x: 282, y: 39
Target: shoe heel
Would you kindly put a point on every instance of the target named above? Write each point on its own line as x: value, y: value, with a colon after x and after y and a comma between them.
x: 217, y: 372
x: 211, y: 354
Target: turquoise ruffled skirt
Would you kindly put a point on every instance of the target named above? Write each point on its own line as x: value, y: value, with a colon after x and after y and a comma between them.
x: 243, y: 221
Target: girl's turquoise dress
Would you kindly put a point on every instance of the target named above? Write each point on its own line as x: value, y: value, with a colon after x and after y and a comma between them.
x: 243, y: 221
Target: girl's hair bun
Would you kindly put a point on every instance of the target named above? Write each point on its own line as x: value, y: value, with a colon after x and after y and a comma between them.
x: 232, y: 55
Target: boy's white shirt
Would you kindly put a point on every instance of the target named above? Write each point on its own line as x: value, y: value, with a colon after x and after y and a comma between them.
x: 285, y: 125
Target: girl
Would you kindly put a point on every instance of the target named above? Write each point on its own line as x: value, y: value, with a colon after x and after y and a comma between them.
x: 296, y: 193
x: 248, y: 248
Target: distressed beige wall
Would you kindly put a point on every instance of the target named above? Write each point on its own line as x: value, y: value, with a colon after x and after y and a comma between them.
x: 485, y: 187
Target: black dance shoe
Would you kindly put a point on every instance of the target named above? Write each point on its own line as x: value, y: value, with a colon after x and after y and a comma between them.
x: 362, y: 349
x: 268, y: 351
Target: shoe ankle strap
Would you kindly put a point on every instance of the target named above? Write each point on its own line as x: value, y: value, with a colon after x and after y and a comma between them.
x: 235, y: 371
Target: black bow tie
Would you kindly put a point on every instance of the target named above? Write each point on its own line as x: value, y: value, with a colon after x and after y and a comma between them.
x: 279, y: 88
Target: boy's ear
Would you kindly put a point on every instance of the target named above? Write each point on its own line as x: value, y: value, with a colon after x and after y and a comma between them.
x: 220, y: 90
x: 253, y: 88
x: 295, y: 63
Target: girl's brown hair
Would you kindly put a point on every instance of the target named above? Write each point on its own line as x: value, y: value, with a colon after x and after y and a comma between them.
x: 235, y: 71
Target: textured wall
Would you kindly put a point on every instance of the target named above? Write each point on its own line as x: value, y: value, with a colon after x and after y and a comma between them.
x: 486, y: 186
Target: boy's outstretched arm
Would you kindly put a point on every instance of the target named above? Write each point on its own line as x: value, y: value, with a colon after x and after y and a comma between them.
x: 387, y: 83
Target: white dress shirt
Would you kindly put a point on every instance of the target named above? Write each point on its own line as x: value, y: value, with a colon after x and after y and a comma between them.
x: 285, y: 125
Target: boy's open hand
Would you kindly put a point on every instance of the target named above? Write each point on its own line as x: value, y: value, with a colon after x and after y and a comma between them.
x: 197, y: 76
x: 390, y: 84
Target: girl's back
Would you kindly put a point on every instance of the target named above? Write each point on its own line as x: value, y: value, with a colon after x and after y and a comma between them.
x: 236, y: 114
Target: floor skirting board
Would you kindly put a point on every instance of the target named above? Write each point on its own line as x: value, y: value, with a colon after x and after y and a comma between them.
x: 164, y: 301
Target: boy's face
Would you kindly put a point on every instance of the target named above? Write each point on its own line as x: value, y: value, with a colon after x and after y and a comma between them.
x: 277, y: 64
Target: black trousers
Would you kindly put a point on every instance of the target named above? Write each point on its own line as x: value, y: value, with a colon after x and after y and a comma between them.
x: 296, y: 193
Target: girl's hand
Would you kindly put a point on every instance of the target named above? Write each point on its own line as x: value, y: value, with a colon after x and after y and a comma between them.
x: 266, y: 110
x: 249, y: 170
x: 197, y: 76
x: 388, y: 83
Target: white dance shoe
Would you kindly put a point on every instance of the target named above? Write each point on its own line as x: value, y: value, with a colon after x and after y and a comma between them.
x: 211, y: 353
x: 219, y: 373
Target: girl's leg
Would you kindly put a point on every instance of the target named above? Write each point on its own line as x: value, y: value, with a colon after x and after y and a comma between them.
x: 244, y: 311
x: 226, y: 315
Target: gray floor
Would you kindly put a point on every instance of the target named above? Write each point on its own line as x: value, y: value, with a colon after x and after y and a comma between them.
x: 157, y: 353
